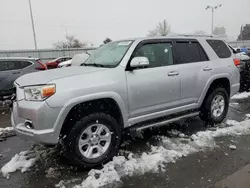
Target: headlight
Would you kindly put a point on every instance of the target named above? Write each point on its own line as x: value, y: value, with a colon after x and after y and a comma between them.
x: 39, y: 93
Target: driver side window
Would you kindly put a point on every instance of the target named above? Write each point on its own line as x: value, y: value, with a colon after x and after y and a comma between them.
x: 158, y: 54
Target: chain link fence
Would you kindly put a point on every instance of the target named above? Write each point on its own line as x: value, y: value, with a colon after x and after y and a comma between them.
x: 45, y: 54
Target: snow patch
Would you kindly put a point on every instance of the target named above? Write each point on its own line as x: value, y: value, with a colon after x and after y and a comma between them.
x: 155, y: 160
x: 232, y: 147
x: 5, y: 130
x: 21, y: 161
x: 234, y: 104
x: 26, y: 159
x: 242, y: 95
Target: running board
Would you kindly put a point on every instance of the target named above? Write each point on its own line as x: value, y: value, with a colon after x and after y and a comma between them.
x: 164, y: 122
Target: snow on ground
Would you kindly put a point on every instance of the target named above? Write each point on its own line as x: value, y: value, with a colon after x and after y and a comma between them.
x: 26, y: 159
x: 5, y: 130
x: 233, y: 104
x: 242, y: 95
x: 155, y: 160
x: 169, y: 151
x: 20, y: 162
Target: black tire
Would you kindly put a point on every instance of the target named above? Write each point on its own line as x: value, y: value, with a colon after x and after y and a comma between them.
x: 205, y: 111
x: 71, y: 142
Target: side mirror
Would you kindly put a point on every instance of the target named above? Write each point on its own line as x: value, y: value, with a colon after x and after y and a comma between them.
x: 138, y: 62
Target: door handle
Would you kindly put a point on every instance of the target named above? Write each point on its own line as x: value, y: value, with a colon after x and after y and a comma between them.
x: 16, y: 72
x: 173, y: 73
x: 207, y: 68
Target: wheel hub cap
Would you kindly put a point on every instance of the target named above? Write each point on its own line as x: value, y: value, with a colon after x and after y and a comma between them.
x: 217, y: 106
x: 94, y: 141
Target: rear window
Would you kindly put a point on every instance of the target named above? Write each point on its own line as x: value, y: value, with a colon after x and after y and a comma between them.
x: 189, y: 52
x: 220, y: 48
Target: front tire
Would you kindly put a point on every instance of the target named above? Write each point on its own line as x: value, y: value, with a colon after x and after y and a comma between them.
x: 215, y: 106
x: 94, y: 140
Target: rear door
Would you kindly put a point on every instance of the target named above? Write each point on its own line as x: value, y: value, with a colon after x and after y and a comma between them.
x: 10, y: 70
x: 194, y: 69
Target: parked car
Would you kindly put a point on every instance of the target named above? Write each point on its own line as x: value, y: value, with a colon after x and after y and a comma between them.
x: 64, y: 64
x: 54, y: 63
x: 244, y: 69
x: 77, y: 60
x: 136, y: 84
x: 13, y: 67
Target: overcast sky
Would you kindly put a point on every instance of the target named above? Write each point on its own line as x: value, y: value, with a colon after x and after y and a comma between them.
x: 94, y: 20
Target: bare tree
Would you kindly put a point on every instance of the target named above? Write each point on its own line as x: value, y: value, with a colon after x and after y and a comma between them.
x: 162, y: 29
x: 220, y: 32
x: 70, y: 42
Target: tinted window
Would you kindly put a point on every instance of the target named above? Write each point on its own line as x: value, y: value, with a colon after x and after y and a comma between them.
x: 25, y: 64
x: 189, y: 51
x: 158, y: 54
x: 13, y: 65
x: 7, y: 65
x: 220, y: 48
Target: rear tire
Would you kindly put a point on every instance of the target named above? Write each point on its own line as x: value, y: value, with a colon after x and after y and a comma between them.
x: 215, y: 106
x: 94, y: 140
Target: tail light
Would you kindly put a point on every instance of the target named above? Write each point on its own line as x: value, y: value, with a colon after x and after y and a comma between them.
x: 237, y: 62
x: 41, y: 66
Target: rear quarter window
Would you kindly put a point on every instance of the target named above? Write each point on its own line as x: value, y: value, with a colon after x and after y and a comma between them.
x: 220, y: 48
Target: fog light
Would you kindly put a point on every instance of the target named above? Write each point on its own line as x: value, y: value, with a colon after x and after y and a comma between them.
x: 28, y: 124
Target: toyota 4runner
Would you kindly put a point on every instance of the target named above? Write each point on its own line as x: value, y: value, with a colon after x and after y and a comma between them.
x: 137, y: 83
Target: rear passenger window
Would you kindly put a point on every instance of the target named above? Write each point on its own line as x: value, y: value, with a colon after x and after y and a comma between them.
x: 189, y: 52
x: 13, y: 65
x: 220, y: 48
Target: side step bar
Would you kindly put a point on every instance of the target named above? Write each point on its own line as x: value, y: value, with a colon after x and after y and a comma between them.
x: 164, y: 122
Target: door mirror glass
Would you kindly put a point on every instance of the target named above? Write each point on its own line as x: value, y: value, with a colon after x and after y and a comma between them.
x: 138, y: 62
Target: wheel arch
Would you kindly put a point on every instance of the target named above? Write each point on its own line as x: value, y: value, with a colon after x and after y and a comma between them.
x: 75, y: 103
x: 223, y: 80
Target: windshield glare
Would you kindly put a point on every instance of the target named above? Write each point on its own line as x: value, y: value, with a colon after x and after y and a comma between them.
x: 109, y: 55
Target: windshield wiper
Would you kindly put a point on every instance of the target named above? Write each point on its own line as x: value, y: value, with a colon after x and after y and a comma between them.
x: 95, y: 65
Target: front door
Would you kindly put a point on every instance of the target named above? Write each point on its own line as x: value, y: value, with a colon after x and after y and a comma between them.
x: 156, y: 87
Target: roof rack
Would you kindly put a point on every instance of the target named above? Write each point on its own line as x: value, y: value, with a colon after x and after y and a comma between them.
x: 193, y: 35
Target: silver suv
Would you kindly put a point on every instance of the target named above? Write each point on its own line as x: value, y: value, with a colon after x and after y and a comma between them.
x: 137, y: 83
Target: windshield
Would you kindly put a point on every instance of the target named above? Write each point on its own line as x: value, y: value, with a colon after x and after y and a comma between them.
x: 109, y: 55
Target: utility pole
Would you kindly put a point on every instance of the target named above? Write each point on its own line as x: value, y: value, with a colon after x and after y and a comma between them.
x: 33, y: 27
x: 213, y: 8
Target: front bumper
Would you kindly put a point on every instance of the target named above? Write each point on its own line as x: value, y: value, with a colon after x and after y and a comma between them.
x: 43, y: 119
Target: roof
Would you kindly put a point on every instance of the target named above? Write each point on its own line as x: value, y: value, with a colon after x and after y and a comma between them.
x: 18, y: 58
x: 175, y: 36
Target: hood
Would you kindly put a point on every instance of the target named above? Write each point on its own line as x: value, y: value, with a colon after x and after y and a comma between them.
x: 43, y: 77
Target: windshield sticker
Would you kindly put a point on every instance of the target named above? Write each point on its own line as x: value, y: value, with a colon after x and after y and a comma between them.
x: 124, y: 43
